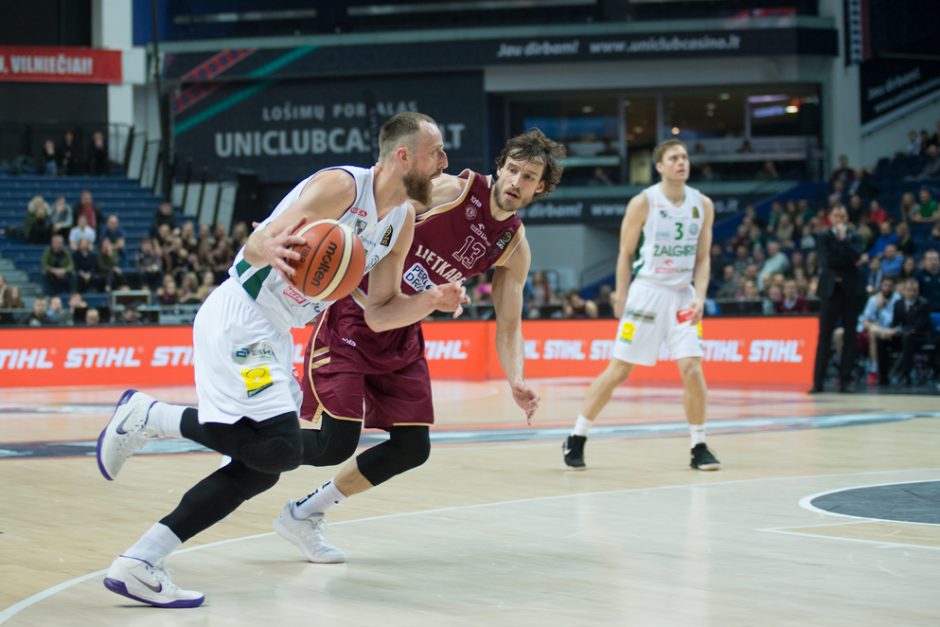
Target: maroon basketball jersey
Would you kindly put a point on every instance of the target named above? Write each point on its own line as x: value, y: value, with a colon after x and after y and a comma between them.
x: 459, y: 239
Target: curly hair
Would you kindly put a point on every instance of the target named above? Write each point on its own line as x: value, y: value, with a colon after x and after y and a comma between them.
x: 534, y: 146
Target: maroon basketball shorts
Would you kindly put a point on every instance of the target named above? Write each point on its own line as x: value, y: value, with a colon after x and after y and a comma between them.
x: 353, y: 373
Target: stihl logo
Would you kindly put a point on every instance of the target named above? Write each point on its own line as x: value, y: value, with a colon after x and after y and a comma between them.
x: 165, y: 356
x: 444, y: 349
x: 26, y: 358
x: 775, y: 351
x: 122, y: 357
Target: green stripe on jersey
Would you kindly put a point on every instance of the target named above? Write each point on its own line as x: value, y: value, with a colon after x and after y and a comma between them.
x: 242, y: 267
x: 253, y: 284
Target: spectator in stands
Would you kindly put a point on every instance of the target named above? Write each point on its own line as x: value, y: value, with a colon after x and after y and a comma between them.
x: 843, y: 174
x: 239, y: 235
x: 912, y: 321
x: 875, y: 275
x: 92, y: 317
x: 838, y: 195
x: 768, y: 172
x: 807, y: 241
x: 604, y: 302
x: 841, y: 292
x: 87, y: 208
x: 863, y: 184
x: 163, y: 216
x: 812, y: 264
x: 772, y: 301
x: 97, y: 161
x: 222, y: 257
x: 205, y: 234
x: 905, y: 243
x: 168, y: 293
x: 206, y: 286
x: 109, y: 266
x: 892, y: 261
x: 876, y: 213
x: 86, y: 267
x: 908, y: 268
x: 130, y: 315
x: 39, y: 316
x: 48, y: 160
x: 886, y: 237
x: 855, y: 208
x: 792, y: 302
x: 56, y: 312
x: 876, y: 327
x: 913, y: 143
x: 188, y: 237
x: 784, y: 232
x: 10, y: 301
x: 931, y: 168
x: 708, y: 174
x: 728, y: 286
x: 78, y: 308
x: 69, y: 164
x: 62, y: 220
x: 37, y: 227
x: 175, y: 257
x: 189, y: 288
x: 926, y: 208
x: 81, y: 231
x: 149, y: 265
x: 574, y: 307
x: 775, y: 263
x: 928, y: 277
x: 867, y: 235
x: 57, y: 267
x: 112, y: 230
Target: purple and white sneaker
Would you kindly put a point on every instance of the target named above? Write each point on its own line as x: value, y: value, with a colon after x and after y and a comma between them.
x: 148, y: 583
x: 126, y: 432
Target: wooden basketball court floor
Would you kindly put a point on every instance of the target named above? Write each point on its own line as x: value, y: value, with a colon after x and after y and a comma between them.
x: 494, y: 530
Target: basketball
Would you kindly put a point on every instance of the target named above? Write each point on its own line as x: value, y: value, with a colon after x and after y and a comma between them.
x: 331, y: 262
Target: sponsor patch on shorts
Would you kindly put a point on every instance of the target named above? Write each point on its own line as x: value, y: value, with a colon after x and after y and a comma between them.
x: 257, y: 379
x: 626, y: 332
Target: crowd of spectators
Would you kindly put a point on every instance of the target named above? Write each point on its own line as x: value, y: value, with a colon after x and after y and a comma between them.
x: 68, y: 158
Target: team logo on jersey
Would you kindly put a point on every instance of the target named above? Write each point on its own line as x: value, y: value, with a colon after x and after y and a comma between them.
x: 257, y: 380
x: 361, y: 226
x: 663, y: 214
x: 259, y: 351
x: 695, y: 212
x: 693, y: 228
x: 387, y: 237
x: 504, y: 238
x: 358, y: 211
x: 471, y: 212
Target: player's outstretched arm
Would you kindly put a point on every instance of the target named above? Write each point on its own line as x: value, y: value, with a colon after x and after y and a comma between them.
x: 630, y: 229
x: 508, y: 285
x: 387, y: 308
x: 327, y: 196
x: 703, y: 261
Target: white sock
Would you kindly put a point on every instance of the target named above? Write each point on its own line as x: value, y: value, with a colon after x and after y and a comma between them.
x: 155, y: 545
x: 581, y: 426
x: 318, y: 501
x: 698, y: 434
x: 166, y: 419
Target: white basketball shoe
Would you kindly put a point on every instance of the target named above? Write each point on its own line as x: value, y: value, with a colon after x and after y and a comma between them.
x: 148, y: 583
x: 126, y: 432
x: 307, y: 534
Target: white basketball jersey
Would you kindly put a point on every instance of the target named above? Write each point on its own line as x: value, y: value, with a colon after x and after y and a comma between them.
x: 283, y: 303
x: 669, y: 240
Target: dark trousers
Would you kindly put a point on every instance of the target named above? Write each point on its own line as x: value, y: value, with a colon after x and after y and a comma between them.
x: 911, y: 344
x: 840, y: 306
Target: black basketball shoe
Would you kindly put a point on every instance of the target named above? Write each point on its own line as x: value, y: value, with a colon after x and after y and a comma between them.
x: 573, y: 448
x: 702, y: 458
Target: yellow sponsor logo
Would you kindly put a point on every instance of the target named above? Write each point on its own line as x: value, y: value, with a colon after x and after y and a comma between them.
x: 626, y: 331
x: 257, y: 379
x: 698, y: 330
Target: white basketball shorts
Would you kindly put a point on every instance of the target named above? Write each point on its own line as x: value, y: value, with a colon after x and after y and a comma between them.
x: 649, y: 322
x: 244, y: 365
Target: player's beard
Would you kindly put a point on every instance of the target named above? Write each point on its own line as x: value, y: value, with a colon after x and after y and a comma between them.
x: 418, y: 187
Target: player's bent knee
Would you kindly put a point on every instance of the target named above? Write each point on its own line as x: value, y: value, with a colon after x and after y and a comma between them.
x: 619, y: 370
x: 274, y: 454
x: 690, y: 367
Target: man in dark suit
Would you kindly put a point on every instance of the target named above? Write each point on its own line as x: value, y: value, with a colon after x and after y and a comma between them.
x: 841, y: 293
x: 912, y: 320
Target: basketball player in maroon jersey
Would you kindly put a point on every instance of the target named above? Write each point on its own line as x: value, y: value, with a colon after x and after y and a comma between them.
x: 354, y: 375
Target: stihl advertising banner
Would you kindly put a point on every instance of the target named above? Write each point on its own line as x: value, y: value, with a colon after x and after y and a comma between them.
x: 737, y: 350
x: 60, y: 65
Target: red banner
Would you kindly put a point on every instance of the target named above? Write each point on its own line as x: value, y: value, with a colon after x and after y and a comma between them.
x: 750, y: 350
x: 60, y: 65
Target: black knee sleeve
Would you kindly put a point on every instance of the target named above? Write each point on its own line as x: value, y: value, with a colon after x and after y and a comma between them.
x: 333, y: 443
x: 215, y: 497
x: 271, y: 446
x: 406, y: 448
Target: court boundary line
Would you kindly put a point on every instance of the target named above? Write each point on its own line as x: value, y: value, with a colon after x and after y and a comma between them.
x: 28, y: 602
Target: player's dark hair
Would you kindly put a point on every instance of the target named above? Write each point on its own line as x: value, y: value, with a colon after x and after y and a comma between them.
x: 534, y: 146
x: 660, y: 151
x: 401, y: 130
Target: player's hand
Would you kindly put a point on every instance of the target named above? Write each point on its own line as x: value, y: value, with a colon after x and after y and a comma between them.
x: 698, y: 311
x: 618, y: 301
x: 450, y: 297
x: 278, y: 251
x: 526, y: 399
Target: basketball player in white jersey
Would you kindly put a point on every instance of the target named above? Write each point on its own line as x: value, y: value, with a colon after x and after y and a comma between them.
x: 665, y: 240
x: 248, y: 397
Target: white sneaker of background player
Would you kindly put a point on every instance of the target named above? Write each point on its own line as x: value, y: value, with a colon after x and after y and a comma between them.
x: 126, y: 432
x: 148, y: 583
x: 307, y: 534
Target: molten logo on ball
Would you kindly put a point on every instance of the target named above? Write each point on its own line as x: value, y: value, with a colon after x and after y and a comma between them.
x: 325, y: 263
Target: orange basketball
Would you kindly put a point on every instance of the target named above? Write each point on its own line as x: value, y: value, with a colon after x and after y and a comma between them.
x: 331, y: 262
